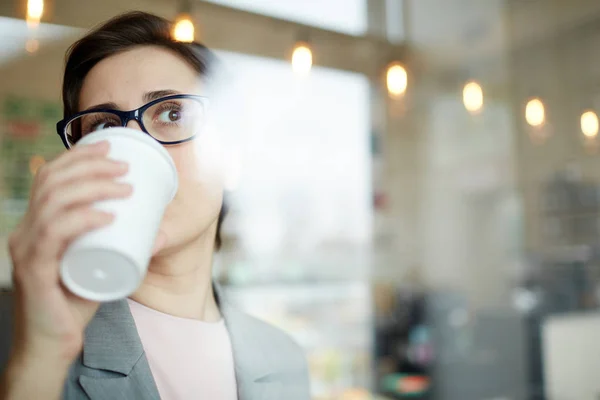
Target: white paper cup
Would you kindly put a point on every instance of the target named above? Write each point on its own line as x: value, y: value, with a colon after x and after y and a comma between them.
x: 110, y: 263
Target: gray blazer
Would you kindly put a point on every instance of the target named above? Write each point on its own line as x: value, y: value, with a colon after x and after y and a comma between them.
x: 113, y: 365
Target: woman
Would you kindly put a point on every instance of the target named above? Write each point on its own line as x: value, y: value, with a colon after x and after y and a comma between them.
x: 174, y: 338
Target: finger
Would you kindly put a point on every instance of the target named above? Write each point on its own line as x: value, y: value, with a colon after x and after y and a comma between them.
x: 81, y: 152
x: 48, y: 170
x: 80, y: 194
x: 88, y: 169
x: 52, y: 239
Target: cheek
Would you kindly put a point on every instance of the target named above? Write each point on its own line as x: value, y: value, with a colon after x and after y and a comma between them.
x: 187, y: 162
x: 200, y: 193
x: 200, y: 171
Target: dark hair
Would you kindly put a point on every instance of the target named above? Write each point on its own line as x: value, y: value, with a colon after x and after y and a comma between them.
x: 120, y: 34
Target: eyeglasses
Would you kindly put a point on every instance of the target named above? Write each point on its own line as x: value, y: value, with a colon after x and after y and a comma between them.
x: 169, y: 120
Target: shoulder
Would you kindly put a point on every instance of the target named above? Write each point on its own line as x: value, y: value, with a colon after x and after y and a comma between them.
x: 264, y: 353
x: 273, y: 343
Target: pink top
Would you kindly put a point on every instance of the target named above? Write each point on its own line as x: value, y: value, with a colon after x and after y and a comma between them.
x: 189, y: 359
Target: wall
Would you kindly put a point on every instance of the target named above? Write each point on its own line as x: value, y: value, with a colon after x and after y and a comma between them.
x: 563, y: 72
x: 23, y: 77
x: 465, y: 191
x: 449, y: 174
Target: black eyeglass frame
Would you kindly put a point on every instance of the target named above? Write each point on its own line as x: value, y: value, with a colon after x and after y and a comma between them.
x: 126, y: 116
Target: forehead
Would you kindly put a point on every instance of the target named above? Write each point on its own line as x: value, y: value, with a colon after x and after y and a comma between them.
x: 124, y: 77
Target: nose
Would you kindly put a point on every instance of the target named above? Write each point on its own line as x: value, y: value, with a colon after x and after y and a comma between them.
x: 133, y: 124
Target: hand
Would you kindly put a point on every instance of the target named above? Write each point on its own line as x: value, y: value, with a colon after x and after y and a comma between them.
x: 49, y: 320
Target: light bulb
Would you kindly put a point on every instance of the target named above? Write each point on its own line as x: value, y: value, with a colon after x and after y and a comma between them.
x: 535, y: 113
x: 589, y: 124
x: 184, y: 29
x: 302, y: 59
x: 397, y: 80
x: 35, y: 10
x: 473, y: 97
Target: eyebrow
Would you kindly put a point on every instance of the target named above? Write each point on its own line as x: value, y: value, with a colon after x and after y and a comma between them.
x: 148, y: 97
x: 110, y: 106
x: 157, y: 94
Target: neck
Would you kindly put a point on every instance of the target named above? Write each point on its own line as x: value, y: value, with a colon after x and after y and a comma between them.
x: 180, y: 283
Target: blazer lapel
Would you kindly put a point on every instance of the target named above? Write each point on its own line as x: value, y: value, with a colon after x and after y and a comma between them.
x: 261, y: 391
x: 255, y: 373
x: 113, y: 344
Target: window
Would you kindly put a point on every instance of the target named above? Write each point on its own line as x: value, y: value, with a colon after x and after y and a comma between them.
x: 346, y: 16
x: 303, y: 160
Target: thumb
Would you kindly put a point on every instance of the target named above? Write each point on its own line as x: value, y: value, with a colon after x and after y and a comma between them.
x: 159, y: 242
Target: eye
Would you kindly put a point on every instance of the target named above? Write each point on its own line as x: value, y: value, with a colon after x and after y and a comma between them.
x: 169, y: 116
x: 98, y: 121
x: 103, y: 125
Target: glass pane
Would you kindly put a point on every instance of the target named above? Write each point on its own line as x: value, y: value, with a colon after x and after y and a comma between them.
x: 347, y: 16
x: 301, y: 209
x: 88, y: 123
x: 304, y: 144
x: 460, y: 258
x: 175, y: 119
x: 15, y: 35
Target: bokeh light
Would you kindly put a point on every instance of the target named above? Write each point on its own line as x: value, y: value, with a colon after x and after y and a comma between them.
x: 397, y: 80
x: 35, y: 162
x: 35, y: 10
x: 302, y: 59
x: 473, y: 97
x: 184, y: 29
x: 535, y: 112
x: 32, y: 45
x: 589, y: 124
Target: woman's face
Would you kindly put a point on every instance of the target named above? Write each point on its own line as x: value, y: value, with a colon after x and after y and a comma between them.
x: 123, y: 79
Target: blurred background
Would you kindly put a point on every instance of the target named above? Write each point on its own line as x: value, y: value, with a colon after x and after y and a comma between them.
x: 415, y: 188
